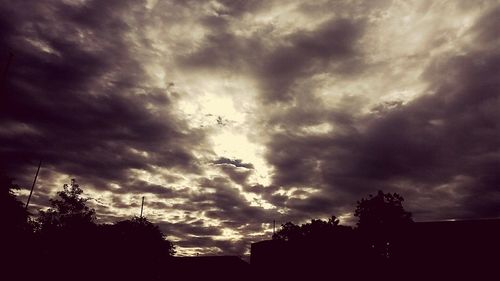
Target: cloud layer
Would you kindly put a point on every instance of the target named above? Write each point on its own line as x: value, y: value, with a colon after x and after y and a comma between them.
x: 228, y: 115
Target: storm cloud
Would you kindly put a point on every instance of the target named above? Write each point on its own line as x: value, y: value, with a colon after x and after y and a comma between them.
x: 227, y: 115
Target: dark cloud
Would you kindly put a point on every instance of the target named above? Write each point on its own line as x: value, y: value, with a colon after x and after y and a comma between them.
x: 307, y: 52
x: 448, y: 139
x: 330, y: 47
x: 143, y: 187
x: 192, y: 229
x: 484, y: 30
x: 239, y: 7
x: 79, y: 95
x: 224, y: 204
x: 223, y: 50
x: 82, y: 96
x: 229, y: 204
x: 237, y: 175
x: 235, y: 169
x: 237, y: 247
x: 234, y: 162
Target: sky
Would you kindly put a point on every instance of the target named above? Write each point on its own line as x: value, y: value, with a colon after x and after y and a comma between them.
x: 227, y: 115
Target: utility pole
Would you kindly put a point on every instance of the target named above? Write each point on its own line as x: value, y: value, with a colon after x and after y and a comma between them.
x: 274, y: 227
x: 33, y: 186
x: 142, y: 205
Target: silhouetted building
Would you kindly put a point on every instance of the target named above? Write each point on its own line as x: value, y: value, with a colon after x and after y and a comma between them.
x: 308, y: 258
x: 451, y: 248
x: 268, y: 252
x: 211, y: 268
x: 441, y: 249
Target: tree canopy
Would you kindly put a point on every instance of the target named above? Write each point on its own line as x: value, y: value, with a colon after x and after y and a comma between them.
x: 68, y: 233
x: 70, y: 209
x: 382, y: 211
x: 141, y: 232
x: 316, y: 229
x: 382, y: 219
x: 13, y: 214
x: 68, y: 238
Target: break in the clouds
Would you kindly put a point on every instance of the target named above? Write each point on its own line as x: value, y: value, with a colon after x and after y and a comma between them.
x: 227, y: 115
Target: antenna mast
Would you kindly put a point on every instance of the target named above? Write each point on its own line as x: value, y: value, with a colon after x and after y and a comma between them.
x: 142, y: 205
x: 33, y: 186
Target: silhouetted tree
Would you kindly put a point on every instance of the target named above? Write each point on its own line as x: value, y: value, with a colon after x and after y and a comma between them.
x: 320, y: 229
x: 13, y: 214
x: 69, y: 245
x: 381, y: 220
x: 289, y: 231
x: 314, y: 229
x: 67, y: 233
x: 16, y: 231
x: 135, y: 248
x: 70, y: 210
x: 146, y: 236
x: 315, y: 244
